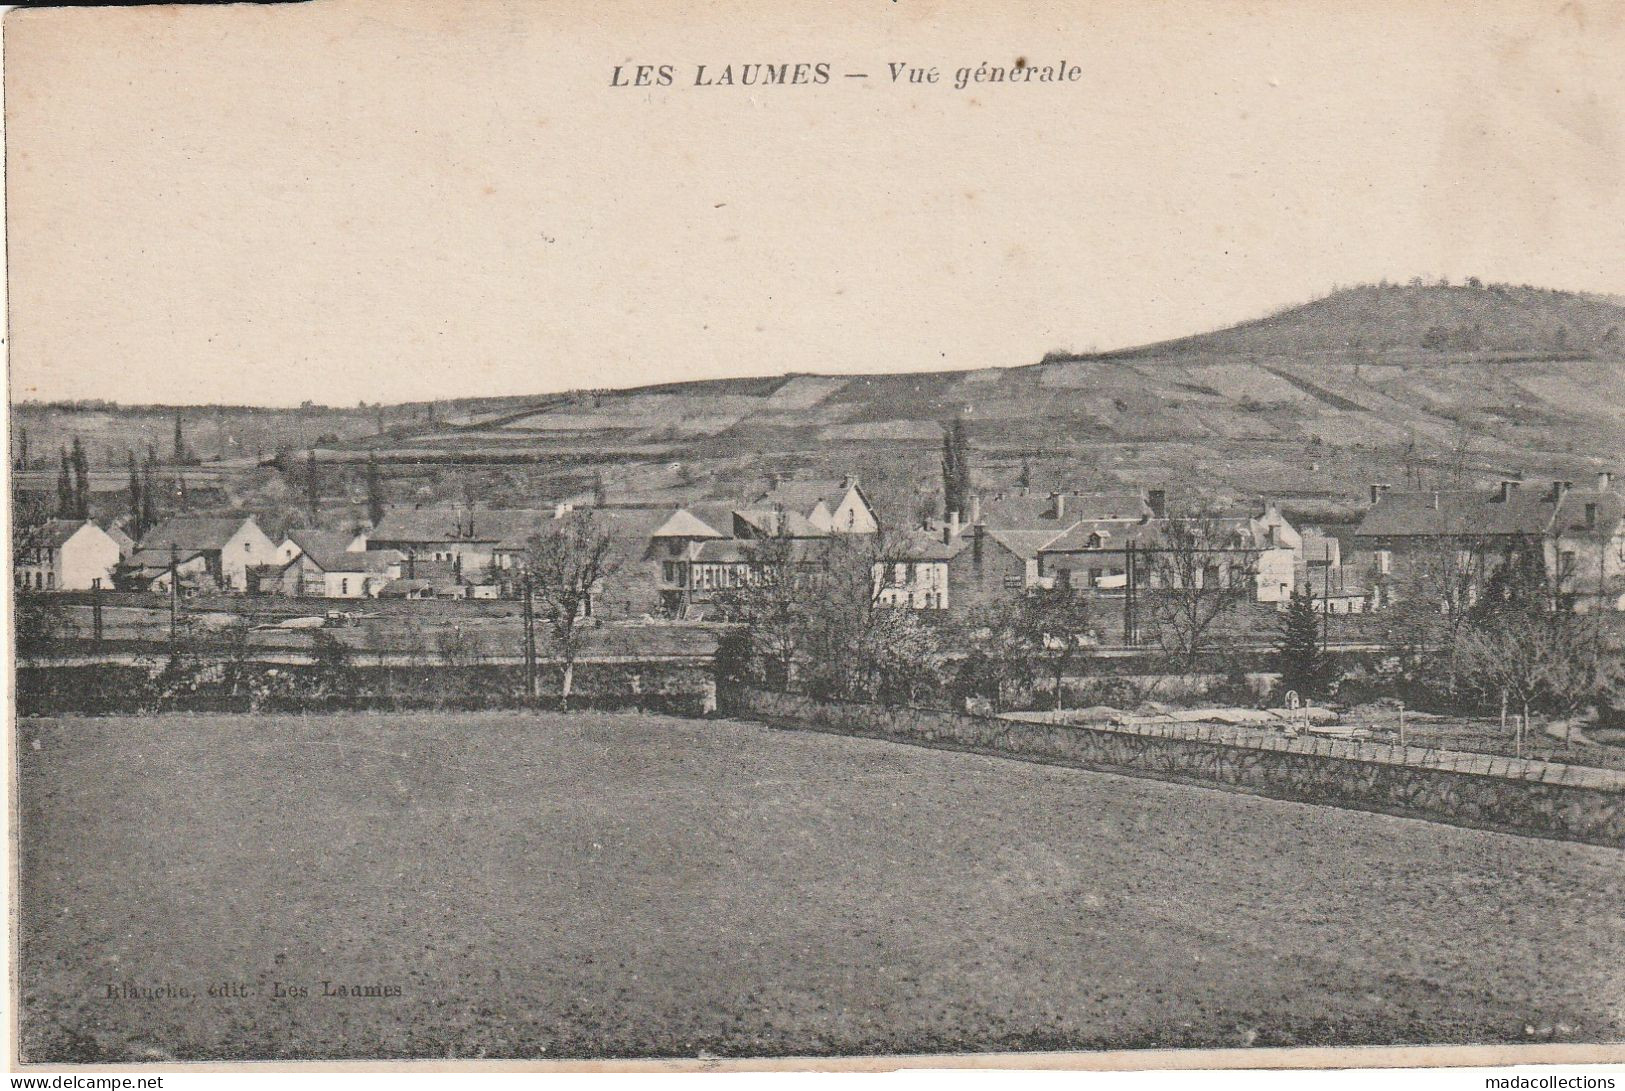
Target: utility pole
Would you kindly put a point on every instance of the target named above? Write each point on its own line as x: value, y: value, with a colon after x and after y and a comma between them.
x: 1326, y: 604
x: 174, y: 594
x: 528, y: 612
x: 96, y: 610
x: 1130, y: 637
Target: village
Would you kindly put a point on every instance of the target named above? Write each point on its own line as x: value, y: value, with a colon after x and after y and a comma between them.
x: 1169, y: 580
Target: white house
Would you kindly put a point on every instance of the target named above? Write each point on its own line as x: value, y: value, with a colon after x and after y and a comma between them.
x: 915, y: 574
x: 230, y: 544
x: 830, y: 506
x: 66, y: 555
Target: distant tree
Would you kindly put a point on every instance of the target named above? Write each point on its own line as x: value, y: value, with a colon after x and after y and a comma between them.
x: 150, y: 513
x: 81, y: 480
x: 313, y: 488
x: 563, y: 568
x: 956, y: 468
x: 1025, y: 477
x: 180, y: 441
x: 65, y: 502
x: 137, y: 512
x: 599, y: 494
x: 375, y: 490
x: 22, y: 445
x: 1297, y: 651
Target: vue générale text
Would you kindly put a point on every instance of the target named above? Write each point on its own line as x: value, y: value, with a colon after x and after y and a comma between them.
x: 819, y: 73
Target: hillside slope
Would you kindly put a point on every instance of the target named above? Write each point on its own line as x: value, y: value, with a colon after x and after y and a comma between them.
x: 1401, y: 383
x: 1409, y: 384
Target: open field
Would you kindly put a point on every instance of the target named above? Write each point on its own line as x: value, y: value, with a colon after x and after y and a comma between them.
x: 540, y: 885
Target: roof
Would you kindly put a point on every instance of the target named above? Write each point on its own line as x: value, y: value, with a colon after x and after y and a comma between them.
x: 723, y: 551
x: 1114, y: 534
x: 1460, y: 513
x: 685, y: 524
x: 320, y: 545
x: 52, y: 533
x: 402, y: 587
x: 157, y: 560
x: 920, y: 546
x: 371, y: 560
x: 511, y: 527
x: 1034, y: 510
x: 772, y: 522
x: 204, y: 533
x: 806, y: 495
x: 1025, y: 544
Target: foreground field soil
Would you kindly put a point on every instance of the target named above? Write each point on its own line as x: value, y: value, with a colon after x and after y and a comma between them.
x: 602, y: 885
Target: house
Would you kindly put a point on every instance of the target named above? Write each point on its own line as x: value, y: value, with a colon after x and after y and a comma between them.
x: 323, y: 566
x: 483, y: 542
x: 830, y: 506
x: 157, y: 569
x: 913, y: 573
x: 1104, y: 555
x: 229, y: 545
x: 65, y: 555
x: 1578, y: 534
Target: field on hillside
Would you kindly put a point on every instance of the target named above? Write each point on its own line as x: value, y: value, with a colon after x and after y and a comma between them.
x: 592, y: 885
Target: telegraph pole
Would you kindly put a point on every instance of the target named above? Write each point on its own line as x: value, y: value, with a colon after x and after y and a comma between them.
x: 96, y: 610
x: 1130, y: 637
x: 174, y: 593
x: 528, y: 612
x: 1326, y: 604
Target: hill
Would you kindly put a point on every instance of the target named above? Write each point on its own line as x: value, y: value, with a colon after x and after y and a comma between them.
x: 1403, y: 383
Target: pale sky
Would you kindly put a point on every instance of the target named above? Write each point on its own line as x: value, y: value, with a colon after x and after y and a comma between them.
x: 353, y: 200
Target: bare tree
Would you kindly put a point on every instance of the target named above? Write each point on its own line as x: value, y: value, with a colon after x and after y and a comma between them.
x: 773, y: 603
x: 563, y: 568
x: 1051, y: 628
x: 1201, y: 570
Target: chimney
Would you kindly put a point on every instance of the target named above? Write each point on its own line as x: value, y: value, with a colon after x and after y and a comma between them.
x: 1059, y: 500
x: 1507, y: 489
x: 1157, y: 501
x: 1435, y: 499
x: 1605, y: 481
x: 1560, y: 489
x: 951, y: 531
x: 976, y: 509
x: 1378, y: 491
x: 1591, y: 516
x: 976, y: 545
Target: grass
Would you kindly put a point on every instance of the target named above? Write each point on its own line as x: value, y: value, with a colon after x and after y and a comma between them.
x: 615, y: 885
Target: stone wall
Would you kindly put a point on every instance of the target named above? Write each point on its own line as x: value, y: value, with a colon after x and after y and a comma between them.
x: 1365, y: 781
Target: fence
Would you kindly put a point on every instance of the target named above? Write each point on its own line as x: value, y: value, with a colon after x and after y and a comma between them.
x: 1468, y: 789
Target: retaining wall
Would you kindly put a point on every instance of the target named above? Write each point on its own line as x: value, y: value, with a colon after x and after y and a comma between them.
x: 1515, y: 804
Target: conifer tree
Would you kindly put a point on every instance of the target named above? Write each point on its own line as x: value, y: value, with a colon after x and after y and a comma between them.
x: 375, y: 491
x: 956, y: 468
x: 1298, y: 656
x: 64, y: 487
x: 81, y: 480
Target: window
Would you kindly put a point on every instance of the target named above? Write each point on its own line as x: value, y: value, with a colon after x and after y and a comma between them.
x: 1385, y: 561
x: 1014, y: 583
x: 246, y: 547
x: 344, y: 587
